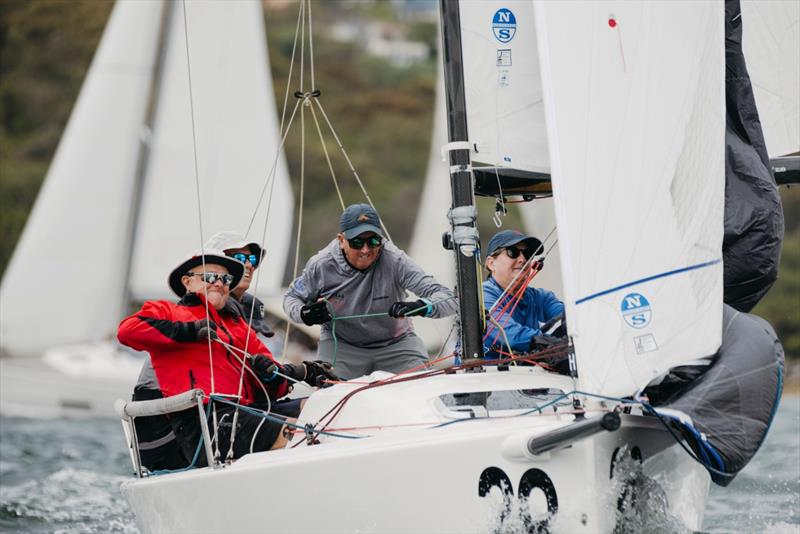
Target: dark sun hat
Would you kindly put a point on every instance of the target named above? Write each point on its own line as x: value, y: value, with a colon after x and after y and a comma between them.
x: 212, y: 256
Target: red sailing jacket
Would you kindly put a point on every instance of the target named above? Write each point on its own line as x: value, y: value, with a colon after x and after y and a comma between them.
x: 165, y: 330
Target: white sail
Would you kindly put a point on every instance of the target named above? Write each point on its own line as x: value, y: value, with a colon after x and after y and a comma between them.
x: 73, y: 252
x: 634, y: 97
x: 505, y: 116
x: 425, y: 247
x: 237, y: 138
x: 771, y: 45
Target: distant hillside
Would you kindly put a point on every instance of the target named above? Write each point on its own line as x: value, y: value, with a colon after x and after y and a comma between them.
x: 381, y: 112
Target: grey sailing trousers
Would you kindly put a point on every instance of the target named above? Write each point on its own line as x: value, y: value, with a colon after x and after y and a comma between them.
x: 352, y: 361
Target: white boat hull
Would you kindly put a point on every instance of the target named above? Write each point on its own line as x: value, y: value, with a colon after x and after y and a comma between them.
x: 423, y: 478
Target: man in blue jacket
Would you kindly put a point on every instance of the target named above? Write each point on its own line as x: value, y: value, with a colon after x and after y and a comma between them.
x: 506, y: 256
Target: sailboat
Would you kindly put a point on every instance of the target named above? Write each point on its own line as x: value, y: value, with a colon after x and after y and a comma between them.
x: 634, y: 106
x: 112, y: 215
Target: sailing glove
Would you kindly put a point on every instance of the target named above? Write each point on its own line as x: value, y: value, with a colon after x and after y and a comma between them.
x: 195, y: 331
x: 314, y: 374
x: 316, y: 313
x: 409, y: 309
x: 318, y: 373
x: 264, y: 367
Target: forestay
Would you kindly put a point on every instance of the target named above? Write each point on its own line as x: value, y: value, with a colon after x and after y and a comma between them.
x: 237, y: 137
x: 771, y: 44
x: 73, y: 253
x: 634, y: 96
x: 505, y: 116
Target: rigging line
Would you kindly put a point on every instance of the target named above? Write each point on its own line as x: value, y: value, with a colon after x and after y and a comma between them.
x: 311, y: 47
x: 522, y: 272
x: 271, y: 176
x: 350, y: 164
x: 299, y: 214
x: 327, y: 157
x: 197, y: 183
x: 302, y: 43
x: 199, y: 207
x: 283, y: 134
x: 502, y: 331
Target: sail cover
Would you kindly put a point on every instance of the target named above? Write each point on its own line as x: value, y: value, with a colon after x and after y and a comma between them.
x: 72, y: 255
x: 237, y: 138
x: 753, y: 212
x: 505, y: 116
x: 634, y: 100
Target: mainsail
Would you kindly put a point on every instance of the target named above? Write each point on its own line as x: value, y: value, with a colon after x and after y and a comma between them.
x: 72, y: 253
x: 634, y: 99
x: 75, y: 251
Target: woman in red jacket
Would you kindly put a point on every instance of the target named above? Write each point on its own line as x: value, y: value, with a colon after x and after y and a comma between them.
x: 203, y: 342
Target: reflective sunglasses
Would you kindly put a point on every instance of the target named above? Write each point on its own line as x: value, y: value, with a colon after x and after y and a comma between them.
x: 211, y: 278
x: 514, y: 252
x: 252, y: 258
x: 358, y: 242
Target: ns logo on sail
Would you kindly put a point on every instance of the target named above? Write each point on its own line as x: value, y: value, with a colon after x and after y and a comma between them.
x: 636, y: 310
x: 504, y: 25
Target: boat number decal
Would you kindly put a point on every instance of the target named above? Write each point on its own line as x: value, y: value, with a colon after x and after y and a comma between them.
x: 531, y: 480
x: 504, y: 25
x: 636, y: 310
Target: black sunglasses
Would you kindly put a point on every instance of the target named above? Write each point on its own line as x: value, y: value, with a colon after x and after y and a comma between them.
x: 252, y: 258
x: 358, y: 242
x: 211, y: 278
x: 514, y: 252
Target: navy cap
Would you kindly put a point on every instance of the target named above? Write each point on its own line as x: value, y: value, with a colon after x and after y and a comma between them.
x: 507, y: 238
x: 360, y: 218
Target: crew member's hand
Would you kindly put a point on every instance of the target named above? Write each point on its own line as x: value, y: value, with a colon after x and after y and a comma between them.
x: 316, y: 313
x: 205, y: 329
x: 318, y: 373
x: 409, y: 309
x: 263, y: 367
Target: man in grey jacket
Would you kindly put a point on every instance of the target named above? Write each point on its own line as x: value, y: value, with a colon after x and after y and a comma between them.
x: 359, y: 281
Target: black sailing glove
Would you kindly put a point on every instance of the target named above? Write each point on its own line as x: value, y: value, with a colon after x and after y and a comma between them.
x: 263, y: 367
x: 316, y: 313
x: 195, y: 331
x: 409, y: 309
x: 318, y: 373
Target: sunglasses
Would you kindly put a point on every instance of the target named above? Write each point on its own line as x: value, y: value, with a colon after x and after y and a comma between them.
x: 252, y: 258
x: 358, y: 242
x: 211, y: 278
x: 514, y: 252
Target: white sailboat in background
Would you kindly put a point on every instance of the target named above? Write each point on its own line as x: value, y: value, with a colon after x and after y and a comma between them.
x: 462, y: 451
x: 425, y: 247
x: 771, y: 43
x: 113, y: 216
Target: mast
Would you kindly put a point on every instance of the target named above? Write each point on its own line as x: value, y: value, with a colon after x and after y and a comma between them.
x: 464, y: 234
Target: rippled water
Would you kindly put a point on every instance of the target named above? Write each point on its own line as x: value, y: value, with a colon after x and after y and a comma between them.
x: 63, y: 476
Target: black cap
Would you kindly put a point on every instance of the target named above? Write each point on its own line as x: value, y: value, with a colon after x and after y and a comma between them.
x: 360, y: 218
x: 507, y: 238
